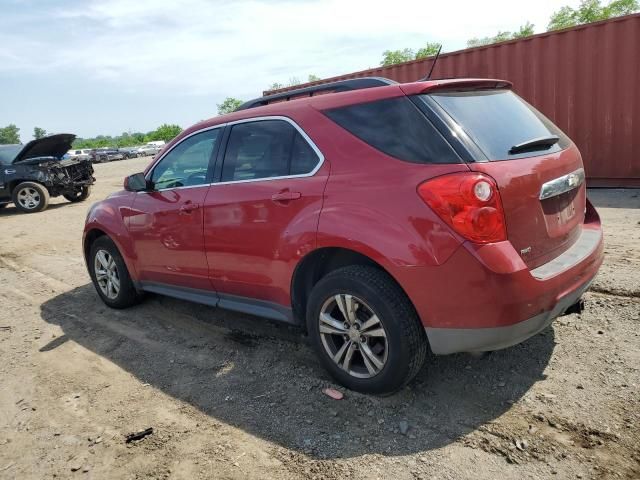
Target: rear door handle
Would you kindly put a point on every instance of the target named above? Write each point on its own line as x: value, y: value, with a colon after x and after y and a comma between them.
x: 189, y: 207
x: 285, y: 196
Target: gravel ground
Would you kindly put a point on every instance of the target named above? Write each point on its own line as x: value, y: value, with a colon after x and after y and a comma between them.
x: 232, y: 396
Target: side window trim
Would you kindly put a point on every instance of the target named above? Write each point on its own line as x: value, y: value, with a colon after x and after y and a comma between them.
x: 215, y: 165
x: 225, y: 141
x: 212, y: 158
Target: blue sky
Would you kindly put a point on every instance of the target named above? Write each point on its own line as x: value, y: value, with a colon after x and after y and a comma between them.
x: 108, y: 66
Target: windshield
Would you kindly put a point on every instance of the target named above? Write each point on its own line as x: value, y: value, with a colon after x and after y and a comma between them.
x: 498, y: 120
x: 8, y: 153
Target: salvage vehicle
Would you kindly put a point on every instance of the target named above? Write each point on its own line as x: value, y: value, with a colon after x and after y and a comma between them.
x: 386, y: 219
x: 79, y: 154
x: 32, y: 173
x: 149, y: 149
x: 129, y: 152
x: 106, y: 154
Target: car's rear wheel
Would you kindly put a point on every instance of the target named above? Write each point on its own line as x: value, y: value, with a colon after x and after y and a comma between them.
x: 30, y: 197
x: 110, y: 275
x: 79, y: 195
x: 365, y: 330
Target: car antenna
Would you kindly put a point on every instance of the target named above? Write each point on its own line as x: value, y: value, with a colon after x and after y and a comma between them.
x: 428, y: 77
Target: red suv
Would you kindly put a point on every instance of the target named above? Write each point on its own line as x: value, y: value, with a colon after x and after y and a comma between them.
x: 382, y: 217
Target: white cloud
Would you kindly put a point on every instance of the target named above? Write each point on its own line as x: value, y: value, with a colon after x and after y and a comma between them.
x: 197, y: 47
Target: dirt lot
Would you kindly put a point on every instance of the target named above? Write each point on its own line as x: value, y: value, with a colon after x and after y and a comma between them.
x: 231, y: 396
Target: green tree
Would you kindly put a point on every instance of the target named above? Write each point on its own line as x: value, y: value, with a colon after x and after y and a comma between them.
x: 525, y: 30
x: 9, y: 134
x: 429, y: 50
x: 293, y: 81
x: 39, y: 132
x: 164, y: 132
x: 313, y: 78
x: 591, y: 11
x: 275, y: 86
x: 392, y: 57
x: 229, y: 105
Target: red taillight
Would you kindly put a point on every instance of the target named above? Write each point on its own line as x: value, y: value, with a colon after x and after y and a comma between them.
x: 469, y: 203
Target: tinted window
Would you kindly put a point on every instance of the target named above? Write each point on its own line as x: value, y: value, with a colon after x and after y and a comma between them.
x: 266, y: 149
x: 187, y: 163
x: 396, y: 127
x: 8, y: 153
x: 303, y: 157
x: 496, y: 120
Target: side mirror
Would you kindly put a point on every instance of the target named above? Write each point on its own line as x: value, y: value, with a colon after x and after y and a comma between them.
x: 137, y: 183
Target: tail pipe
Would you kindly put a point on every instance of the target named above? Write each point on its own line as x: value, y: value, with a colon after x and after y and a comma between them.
x: 577, y: 307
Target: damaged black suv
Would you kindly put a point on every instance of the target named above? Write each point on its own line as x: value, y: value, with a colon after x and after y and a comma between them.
x: 31, y: 173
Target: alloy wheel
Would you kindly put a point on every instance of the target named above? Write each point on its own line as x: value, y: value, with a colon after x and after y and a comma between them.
x: 107, y: 275
x: 29, y: 198
x: 353, y: 336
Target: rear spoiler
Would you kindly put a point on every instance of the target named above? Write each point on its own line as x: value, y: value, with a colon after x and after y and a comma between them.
x: 455, y: 85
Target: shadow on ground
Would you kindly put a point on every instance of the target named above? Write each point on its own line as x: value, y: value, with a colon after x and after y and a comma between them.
x: 263, y: 377
x: 10, y: 209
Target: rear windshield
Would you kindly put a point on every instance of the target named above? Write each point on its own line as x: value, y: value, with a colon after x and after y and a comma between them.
x: 497, y: 120
x: 395, y: 126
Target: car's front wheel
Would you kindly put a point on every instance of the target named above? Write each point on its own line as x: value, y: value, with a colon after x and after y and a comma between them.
x: 79, y: 195
x: 365, y: 330
x: 30, y: 197
x: 110, y: 275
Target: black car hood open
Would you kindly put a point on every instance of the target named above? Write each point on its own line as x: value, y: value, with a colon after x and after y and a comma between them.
x: 49, y: 146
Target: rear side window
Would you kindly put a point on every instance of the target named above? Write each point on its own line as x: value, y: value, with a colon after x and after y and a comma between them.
x: 266, y: 149
x: 396, y: 127
x: 497, y: 120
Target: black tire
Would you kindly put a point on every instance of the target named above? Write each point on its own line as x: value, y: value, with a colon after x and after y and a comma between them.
x: 36, y: 191
x: 79, y: 196
x: 405, y: 335
x: 127, y: 295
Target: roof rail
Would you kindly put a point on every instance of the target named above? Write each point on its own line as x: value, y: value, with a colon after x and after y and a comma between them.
x: 340, y: 86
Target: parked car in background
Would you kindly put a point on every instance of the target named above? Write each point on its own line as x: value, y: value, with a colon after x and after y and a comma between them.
x: 445, y: 214
x: 79, y: 154
x: 149, y: 149
x: 30, y: 174
x: 108, y: 154
x: 130, y: 152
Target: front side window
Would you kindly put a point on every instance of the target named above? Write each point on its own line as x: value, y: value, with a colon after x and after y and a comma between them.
x: 187, y: 164
x: 266, y: 149
x: 8, y: 153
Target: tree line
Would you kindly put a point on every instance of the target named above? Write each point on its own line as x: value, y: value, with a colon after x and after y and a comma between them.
x: 11, y: 135
x: 587, y: 12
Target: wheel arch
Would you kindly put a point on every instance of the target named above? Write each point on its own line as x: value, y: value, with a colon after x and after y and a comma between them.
x: 320, y: 262
x: 15, y: 182
x: 90, y: 237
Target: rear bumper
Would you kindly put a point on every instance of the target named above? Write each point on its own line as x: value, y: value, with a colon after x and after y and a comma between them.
x: 451, y: 340
x: 485, y: 298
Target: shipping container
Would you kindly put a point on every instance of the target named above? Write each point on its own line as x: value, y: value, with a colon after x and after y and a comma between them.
x: 584, y: 78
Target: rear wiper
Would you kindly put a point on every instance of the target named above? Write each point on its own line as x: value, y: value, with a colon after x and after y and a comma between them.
x: 540, y: 143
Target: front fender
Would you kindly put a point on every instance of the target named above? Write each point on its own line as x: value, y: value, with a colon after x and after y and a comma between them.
x: 110, y: 216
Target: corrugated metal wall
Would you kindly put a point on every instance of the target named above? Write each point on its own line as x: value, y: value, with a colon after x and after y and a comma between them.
x: 586, y: 79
